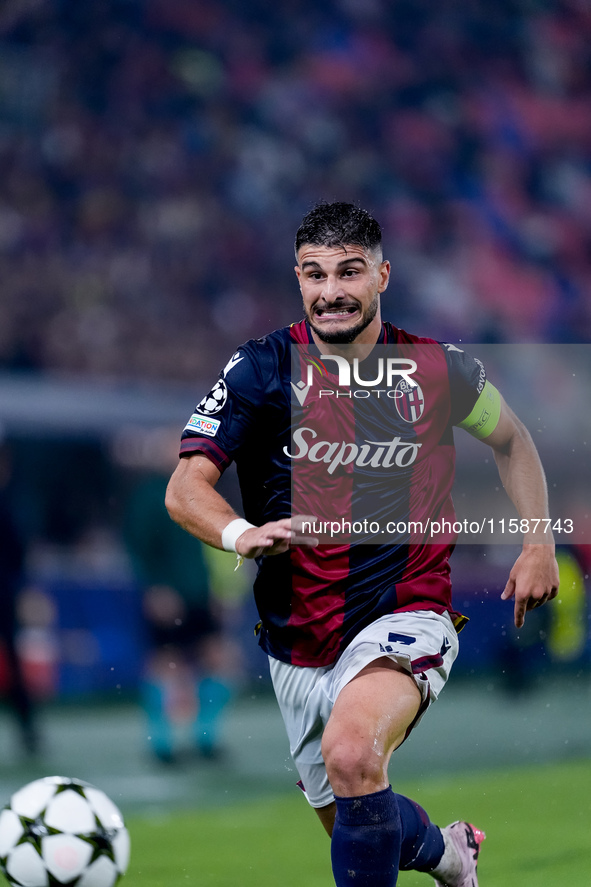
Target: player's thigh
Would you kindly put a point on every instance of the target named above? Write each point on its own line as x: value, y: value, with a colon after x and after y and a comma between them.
x: 374, y: 711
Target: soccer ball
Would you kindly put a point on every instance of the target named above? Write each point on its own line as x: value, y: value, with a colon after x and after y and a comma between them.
x: 215, y: 400
x: 59, y: 831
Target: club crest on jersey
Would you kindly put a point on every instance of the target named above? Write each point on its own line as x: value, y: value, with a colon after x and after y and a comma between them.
x: 410, y: 401
x: 215, y: 400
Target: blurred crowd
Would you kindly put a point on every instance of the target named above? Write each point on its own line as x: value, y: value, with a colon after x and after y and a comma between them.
x: 157, y: 157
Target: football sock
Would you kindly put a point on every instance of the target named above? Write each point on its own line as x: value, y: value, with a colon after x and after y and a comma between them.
x: 213, y: 695
x: 160, y: 738
x: 365, y: 847
x: 422, y: 843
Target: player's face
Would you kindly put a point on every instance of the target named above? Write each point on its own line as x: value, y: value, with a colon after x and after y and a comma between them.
x: 341, y: 289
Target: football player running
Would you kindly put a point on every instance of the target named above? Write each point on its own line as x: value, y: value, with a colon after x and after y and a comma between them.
x: 360, y: 637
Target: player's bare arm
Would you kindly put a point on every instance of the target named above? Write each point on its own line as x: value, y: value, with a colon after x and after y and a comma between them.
x: 533, y: 579
x: 193, y: 502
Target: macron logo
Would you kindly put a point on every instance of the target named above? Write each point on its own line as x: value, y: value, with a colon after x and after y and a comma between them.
x: 235, y: 359
x: 300, y: 389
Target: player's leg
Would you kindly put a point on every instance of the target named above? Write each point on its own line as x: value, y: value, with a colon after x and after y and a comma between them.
x: 154, y: 698
x: 217, y: 661
x: 18, y: 693
x: 357, y: 758
x: 421, y: 847
x: 307, y: 697
x: 370, y: 718
x: 327, y: 816
x: 213, y: 695
x: 452, y: 864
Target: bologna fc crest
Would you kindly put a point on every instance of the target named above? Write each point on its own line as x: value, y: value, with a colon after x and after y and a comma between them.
x: 409, y: 401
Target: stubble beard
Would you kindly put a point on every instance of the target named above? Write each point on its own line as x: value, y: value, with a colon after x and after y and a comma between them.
x: 347, y: 336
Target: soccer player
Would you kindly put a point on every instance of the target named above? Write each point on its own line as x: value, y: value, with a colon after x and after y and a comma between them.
x: 360, y: 635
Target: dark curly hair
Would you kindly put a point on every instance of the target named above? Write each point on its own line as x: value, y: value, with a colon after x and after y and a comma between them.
x: 337, y: 224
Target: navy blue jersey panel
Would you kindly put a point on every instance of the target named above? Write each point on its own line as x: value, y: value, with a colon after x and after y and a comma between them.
x: 357, y: 456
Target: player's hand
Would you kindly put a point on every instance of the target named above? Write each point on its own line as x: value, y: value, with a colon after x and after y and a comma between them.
x: 276, y: 537
x: 533, y: 580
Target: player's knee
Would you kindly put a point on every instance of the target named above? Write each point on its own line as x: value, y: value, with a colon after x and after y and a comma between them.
x: 352, y: 767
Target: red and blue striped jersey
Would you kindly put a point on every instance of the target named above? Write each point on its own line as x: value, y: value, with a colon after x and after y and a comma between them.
x: 302, y: 444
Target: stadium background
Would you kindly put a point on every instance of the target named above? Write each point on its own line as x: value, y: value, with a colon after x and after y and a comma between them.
x: 156, y: 158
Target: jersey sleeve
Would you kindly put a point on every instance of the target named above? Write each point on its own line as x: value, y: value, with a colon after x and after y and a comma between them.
x: 223, y: 420
x: 486, y: 413
x: 475, y: 402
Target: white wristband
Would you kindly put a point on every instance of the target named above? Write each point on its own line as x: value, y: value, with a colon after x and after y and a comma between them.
x: 232, y: 531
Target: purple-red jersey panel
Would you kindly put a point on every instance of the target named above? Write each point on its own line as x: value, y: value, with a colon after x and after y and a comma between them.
x: 381, y: 451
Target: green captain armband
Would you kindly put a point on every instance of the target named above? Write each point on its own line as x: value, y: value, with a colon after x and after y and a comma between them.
x: 484, y: 418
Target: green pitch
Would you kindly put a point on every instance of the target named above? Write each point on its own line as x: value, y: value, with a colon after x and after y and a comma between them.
x: 537, y: 820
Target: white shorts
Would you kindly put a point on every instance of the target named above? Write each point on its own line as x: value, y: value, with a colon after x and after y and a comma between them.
x: 423, y: 643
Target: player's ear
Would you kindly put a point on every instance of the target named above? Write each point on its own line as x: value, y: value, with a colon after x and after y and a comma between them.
x: 383, y: 276
x: 298, y: 272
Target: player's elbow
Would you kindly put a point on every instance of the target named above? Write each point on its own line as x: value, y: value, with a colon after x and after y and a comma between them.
x: 521, y: 441
x: 173, y: 501
x: 510, y: 435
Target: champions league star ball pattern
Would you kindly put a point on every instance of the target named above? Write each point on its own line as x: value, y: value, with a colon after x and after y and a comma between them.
x: 59, y: 831
x: 214, y: 401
